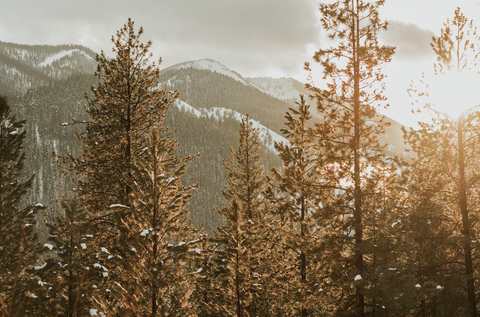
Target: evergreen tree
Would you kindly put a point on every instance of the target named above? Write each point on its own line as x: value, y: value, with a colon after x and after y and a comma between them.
x: 434, y: 263
x: 352, y: 159
x: 18, y: 245
x: 240, y: 290
x: 156, y: 241
x: 450, y: 148
x: 70, y: 274
x: 295, y: 233
x: 125, y: 105
x: 205, y: 296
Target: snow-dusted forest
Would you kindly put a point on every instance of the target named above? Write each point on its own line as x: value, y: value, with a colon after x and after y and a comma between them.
x: 131, y: 190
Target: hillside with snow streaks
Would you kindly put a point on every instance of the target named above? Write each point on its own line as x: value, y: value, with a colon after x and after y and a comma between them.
x: 32, y: 66
x: 267, y: 136
x: 185, y: 107
x: 61, y: 55
x: 211, y: 65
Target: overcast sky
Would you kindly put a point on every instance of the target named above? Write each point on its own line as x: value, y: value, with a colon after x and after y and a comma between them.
x: 253, y: 37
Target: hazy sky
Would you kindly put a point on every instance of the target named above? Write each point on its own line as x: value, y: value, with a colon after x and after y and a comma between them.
x: 253, y: 37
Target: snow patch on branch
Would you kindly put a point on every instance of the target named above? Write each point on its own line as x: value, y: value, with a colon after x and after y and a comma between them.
x: 119, y: 206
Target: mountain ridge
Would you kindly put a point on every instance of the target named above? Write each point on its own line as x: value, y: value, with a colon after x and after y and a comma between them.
x: 206, y: 119
x: 28, y: 66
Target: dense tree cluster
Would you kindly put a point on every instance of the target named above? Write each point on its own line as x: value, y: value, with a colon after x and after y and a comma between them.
x: 341, y: 228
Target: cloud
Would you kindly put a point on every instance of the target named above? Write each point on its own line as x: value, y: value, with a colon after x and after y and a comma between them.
x: 250, y: 35
x: 412, y: 42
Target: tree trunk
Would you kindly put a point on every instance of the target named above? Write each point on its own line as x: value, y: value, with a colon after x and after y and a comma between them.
x: 357, y: 190
x: 472, y: 309
x: 303, y: 259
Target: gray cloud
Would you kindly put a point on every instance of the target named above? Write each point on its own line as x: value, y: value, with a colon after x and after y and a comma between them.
x: 412, y: 42
x: 250, y: 36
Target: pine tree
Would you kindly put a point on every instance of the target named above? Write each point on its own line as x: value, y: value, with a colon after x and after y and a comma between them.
x: 156, y: 240
x: 295, y: 201
x: 450, y: 148
x: 18, y: 243
x: 70, y: 274
x: 433, y: 261
x: 205, y: 296
x: 125, y: 105
x: 240, y: 271
x: 353, y: 160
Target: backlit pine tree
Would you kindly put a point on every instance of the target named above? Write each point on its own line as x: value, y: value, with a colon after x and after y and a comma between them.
x: 126, y: 103
x: 156, y: 242
x: 352, y: 157
x: 295, y: 232
x: 450, y: 147
x: 240, y: 271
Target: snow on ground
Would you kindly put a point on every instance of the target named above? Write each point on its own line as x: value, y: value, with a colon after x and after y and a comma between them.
x: 211, y: 65
x: 267, y: 136
x: 60, y: 55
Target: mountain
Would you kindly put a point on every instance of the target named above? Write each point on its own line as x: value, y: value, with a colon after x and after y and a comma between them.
x: 286, y: 89
x: 210, y: 65
x: 206, y: 83
x: 29, y: 66
x: 266, y: 136
x: 46, y: 86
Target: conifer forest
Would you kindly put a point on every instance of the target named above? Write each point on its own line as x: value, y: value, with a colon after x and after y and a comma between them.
x: 131, y: 190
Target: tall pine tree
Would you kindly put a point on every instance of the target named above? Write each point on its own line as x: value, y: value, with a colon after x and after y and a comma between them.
x: 126, y: 103
x: 353, y: 160
x: 449, y: 146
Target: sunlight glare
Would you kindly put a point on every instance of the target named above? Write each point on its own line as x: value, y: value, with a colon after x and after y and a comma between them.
x: 455, y: 92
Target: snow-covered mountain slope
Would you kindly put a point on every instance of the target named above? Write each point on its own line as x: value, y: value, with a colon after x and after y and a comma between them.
x: 185, y: 107
x: 287, y: 89
x: 211, y: 65
x: 266, y: 136
x: 58, y: 56
x: 29, y: 66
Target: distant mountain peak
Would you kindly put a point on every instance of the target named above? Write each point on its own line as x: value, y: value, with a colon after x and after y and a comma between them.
x: 211, y: 65
x: 286, y: 89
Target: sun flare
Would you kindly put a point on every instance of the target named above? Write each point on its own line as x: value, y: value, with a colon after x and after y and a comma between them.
x: 455, y: 92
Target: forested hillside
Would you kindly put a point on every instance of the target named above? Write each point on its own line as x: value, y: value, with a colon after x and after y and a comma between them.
x: 48, y: 106
x: 29, y: 66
